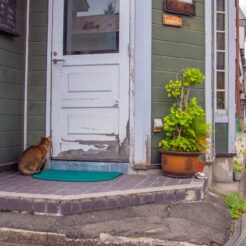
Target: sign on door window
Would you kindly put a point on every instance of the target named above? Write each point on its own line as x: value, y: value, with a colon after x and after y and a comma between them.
x: 91, y: 27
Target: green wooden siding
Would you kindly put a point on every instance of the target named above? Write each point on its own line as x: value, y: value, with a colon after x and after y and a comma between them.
x: 12, y: 67
x: 173, y: 49
x: 37, y: 70
x: 221, y: 138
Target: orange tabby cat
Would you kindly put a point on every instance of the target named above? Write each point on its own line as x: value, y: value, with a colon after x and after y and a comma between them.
x: 33, y: 158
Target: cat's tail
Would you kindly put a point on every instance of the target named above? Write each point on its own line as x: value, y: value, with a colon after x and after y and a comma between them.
x: 28, y: 172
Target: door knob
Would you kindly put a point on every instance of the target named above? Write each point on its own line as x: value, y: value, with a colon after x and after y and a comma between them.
x: 57, y: 60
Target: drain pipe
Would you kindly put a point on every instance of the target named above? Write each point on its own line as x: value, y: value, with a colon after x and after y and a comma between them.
x: 238, y: 54
x: 26, y: 71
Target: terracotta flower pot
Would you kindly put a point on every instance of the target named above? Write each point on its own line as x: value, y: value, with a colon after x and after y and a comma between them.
x: 201, y: 165
x: 180, y: 164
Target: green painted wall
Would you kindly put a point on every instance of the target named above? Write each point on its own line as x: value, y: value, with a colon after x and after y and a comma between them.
x: 12, y: 66
x: 37, y: 70
x: 174, y: 48
x: 221, y: 138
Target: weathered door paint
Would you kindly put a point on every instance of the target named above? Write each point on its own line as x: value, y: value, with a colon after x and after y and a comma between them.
x: 90, y: 80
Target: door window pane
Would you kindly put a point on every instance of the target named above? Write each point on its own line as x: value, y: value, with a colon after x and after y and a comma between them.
x: 220, y: 41
x: 220, y: 100
x: 220, y: 80
x: 220, y: 5
x: 220, y: 22
x: 91, y: 27
x: 221, y: 60
x: 221, y: 55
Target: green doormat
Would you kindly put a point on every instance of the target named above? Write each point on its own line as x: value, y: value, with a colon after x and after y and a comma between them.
x: 75, y: 176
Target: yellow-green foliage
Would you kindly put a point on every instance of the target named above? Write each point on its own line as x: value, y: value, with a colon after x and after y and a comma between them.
x: 185, y: 125
x: 236, y: 204
x: 237, y: 167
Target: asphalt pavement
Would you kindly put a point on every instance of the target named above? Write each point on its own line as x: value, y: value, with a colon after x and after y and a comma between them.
x: 205, y: 222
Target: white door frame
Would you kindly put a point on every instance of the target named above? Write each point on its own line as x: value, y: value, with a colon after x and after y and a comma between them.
x: 208, y: 76
x: 232, y: 75
x: 140, y: 80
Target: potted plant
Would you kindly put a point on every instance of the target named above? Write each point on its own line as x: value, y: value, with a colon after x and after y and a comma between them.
x: 185, y: 127
x: 238, y: 171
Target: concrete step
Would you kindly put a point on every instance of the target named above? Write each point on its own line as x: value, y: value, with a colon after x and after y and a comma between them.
x: 23, y: 194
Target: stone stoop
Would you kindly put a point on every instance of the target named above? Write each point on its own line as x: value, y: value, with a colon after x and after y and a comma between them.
x: 76, y: 204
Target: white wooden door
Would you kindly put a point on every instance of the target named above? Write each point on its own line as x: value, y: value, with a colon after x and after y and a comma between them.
x: 90, y: 79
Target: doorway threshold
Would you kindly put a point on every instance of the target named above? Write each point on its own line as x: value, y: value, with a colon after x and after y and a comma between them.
x: 89, y: 166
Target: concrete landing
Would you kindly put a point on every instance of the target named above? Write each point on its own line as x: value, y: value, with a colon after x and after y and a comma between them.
x: 24, y: 194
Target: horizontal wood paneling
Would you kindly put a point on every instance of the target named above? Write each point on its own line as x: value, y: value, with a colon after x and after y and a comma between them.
x: 36, y: 78
x: 221, y: 138
x: 10, y: 154
x: 12, y: 90
x: 173, y: 49
x: 174, y: 64
x: 39, y: 6
x: 12, y: 65
x: 37, y: 71
x: 11, y: 107
x: 178, y: 35
x: 34, y: 137
x: 11, y: 138
x: 11, y: 122
x: 167, y: 48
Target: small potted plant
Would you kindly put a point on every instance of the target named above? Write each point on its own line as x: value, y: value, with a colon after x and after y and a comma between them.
x: 185, y: 127
x: 238, y: 171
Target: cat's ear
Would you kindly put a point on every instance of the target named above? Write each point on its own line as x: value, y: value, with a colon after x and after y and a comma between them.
x: 49, y: 138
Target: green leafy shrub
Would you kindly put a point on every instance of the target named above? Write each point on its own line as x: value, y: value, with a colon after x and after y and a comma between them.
x: 236, y: 204
x: 185, y: 126
x: 237, y: 167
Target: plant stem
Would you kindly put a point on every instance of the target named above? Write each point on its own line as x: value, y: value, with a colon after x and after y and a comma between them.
x: 187, y: 98
x: 181, y: 99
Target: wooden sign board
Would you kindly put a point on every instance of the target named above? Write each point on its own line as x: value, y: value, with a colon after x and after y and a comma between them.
x: 185, y: 7
x: 95, y: 24
x: 172, y: 20
x: 8, y: 16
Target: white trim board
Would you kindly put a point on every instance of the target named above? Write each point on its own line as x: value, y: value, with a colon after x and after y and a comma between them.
x: 208, y: 75
x: 232, y: 75
x: 228, y: 115
x: 48, y: 74
x: 140, y: 82
x: 26, y: 72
